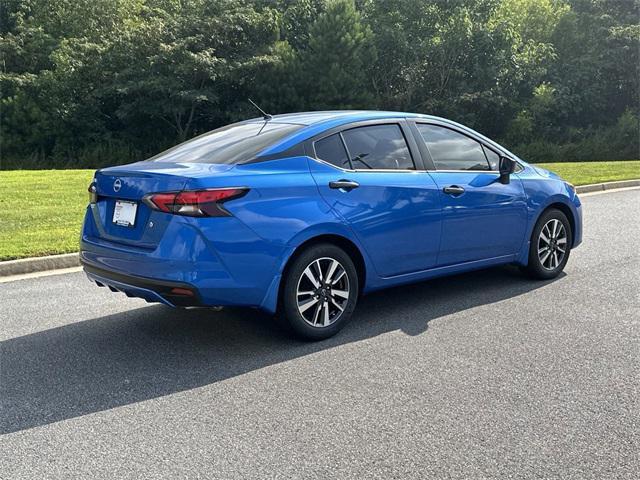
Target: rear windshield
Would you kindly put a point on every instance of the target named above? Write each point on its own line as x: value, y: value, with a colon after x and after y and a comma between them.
x: 232, y: 144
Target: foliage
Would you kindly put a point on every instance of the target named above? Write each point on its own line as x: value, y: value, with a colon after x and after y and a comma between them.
x: 96, y: 82
x: 609, y: 143
x: 336, y: 61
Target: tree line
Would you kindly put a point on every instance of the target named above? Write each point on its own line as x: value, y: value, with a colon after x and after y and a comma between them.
x: 86, y: 83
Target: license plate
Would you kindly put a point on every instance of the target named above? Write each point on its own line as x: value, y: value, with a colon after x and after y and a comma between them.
x: 124, y: 213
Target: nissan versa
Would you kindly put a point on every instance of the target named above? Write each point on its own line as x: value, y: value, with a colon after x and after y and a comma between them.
x: 300, y: 214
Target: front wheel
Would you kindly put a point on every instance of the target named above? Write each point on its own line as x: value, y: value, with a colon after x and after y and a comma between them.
x: 320, y: 292
x: 551, y: 242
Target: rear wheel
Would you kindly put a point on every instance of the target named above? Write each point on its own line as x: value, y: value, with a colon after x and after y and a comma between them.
x: 320, y: 292
x: 550, y: 245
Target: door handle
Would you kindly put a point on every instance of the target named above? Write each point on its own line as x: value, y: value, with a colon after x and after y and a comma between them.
x: 344, y: 184
x: 454, y: 190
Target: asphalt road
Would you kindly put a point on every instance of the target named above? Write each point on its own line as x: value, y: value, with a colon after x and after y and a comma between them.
x: 486, y: 375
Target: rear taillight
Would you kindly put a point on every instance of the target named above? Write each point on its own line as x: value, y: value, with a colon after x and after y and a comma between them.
x: 196, y: 203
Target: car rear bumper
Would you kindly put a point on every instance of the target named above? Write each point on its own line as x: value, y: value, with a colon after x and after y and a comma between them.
x: 173, y: 294
x: 220, y: 259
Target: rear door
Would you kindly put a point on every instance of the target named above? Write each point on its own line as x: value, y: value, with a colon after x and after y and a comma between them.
x: 368, y: 175
x: 481, y: 218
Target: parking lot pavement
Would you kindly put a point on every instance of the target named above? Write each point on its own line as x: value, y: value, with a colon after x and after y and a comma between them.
x: 485, y: 375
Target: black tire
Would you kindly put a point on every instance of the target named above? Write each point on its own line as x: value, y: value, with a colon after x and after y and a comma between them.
x: 547, y: 270
x: 295, y: 277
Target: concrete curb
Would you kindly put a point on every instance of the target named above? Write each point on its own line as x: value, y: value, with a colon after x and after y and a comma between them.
x: 56, y: 262
x: 38, y: 264
x: 598, y: 187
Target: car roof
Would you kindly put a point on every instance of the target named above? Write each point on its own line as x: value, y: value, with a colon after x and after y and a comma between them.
x: 317, y: 122
x: 341, y: 116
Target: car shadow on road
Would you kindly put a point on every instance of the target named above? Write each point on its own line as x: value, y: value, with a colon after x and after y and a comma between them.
x: 150, y: 352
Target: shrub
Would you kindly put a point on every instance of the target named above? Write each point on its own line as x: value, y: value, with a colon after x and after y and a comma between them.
x: 617, y: 142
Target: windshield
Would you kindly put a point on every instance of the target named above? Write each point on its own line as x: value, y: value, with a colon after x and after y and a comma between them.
x: 232, y: 144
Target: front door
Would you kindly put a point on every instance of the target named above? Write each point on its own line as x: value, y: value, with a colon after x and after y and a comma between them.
x: 481, y: 218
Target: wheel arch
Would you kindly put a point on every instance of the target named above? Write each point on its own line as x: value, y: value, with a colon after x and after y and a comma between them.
x: 558, y: 203
x: 339, y: 241
x: 564, y: 208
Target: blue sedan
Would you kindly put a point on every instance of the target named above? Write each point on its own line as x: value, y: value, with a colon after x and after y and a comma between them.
x: 300, y: 214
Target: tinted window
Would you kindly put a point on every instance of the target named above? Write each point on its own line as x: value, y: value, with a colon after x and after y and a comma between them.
x: 378, y: 147
x: 235, y: 143
x: 492, y: 157
x: 331, y: 149
x: 451, y: 150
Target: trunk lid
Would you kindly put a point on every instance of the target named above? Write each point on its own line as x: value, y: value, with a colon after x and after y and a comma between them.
x: 128, y: 184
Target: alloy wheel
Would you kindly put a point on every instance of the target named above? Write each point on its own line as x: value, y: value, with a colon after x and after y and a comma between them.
x: 323, y: 292
x: 552, y: 244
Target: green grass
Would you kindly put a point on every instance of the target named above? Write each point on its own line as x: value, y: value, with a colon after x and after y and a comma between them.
x: 41, y: 211
x: 584, y: 173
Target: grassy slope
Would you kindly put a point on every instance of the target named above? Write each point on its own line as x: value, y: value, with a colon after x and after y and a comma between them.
x: 41, y: 210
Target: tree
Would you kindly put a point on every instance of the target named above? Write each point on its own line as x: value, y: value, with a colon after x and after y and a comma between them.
x: 91, y: 82
x: 597, y: 74
x: 335, y: 68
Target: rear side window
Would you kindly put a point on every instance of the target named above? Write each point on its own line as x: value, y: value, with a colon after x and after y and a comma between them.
x: 237, y: 143
x: 451, y: 150
x: 378, y: 147
x: 331, y: 150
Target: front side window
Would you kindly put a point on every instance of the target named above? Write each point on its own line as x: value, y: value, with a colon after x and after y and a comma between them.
x: 492, y: 157
x: 331, y: 150
x: 451, y: 150
x: 378, y: 147
x: 232, y: 144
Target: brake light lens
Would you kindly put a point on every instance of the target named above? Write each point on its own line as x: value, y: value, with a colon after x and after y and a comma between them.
x: 196, y: 203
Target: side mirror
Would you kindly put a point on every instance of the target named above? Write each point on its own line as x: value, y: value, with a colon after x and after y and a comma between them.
x: 506, y: 168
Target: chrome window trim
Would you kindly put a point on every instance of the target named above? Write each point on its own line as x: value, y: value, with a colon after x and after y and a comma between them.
x: 480, y: 171
x: 468, y: 171
x: 316, y: 159
x: 382, y: 170
x: 367, y: 170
